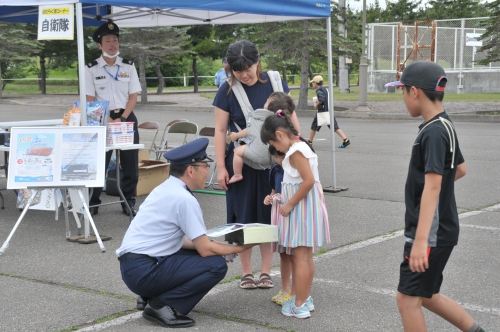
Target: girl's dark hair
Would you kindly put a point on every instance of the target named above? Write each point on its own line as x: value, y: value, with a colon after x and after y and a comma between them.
x: 281, y: 101
x: 279, y: 121
x: 274, y: 152
x: 242, y: 55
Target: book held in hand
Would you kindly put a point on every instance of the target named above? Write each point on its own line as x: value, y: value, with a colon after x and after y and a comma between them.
x: 246, y: 233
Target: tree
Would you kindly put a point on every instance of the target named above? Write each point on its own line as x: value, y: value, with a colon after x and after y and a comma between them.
x: 448, y: 9
x: 402, y: 11
x: 16, y: 43
x: 491, y: 38
x: 149, y: 46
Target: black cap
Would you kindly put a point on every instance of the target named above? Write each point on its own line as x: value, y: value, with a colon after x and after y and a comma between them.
x: 189, y: 153
x: 105, y: 29
x: 425, y: 75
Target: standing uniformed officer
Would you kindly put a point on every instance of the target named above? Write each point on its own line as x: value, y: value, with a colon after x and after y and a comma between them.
x: 115, y: 79
x: 166, y: 256
x: 223, y: 73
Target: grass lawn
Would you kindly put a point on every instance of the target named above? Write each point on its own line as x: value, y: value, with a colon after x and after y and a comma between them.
x: 12, y: 88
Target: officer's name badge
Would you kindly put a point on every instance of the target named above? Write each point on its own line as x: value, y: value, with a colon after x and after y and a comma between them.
x: 100, y: 77
x: 123, y: 74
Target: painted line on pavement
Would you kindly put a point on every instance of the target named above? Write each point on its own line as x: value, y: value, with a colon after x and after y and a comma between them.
x: 392, y: 293
x: 115, y: 322
x: 481, y: 227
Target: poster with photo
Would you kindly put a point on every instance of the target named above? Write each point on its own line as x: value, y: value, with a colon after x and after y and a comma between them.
x: 57, y: 157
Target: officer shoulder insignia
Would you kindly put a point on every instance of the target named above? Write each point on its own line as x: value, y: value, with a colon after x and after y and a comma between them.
x: 128, y: 62
x: 92, y: 64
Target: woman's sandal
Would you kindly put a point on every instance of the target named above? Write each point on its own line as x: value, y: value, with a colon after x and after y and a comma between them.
x: 265, y: 282
x: 248, y: 282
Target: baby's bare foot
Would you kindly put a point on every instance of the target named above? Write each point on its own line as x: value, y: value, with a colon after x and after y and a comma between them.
x: 236, y: 178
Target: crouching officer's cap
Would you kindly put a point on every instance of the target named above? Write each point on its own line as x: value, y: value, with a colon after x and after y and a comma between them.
x: 105, y: 29
x: 189, y: 153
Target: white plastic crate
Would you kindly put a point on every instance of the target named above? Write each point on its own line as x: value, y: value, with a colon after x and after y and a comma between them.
x: 120, y: 138
x: 114, y: 127
x: 120, y: 127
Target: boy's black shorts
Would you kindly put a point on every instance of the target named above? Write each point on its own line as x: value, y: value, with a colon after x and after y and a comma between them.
x: 424, y: 284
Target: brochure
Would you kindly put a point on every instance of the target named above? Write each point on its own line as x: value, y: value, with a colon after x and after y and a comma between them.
x: 246, y: 233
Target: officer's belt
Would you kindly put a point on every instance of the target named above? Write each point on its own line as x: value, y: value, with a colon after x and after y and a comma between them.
x: 118, y: 110
x: 130, y: 255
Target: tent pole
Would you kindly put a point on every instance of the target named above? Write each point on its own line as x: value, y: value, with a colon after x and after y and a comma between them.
x: 81, y: 62
x: 330, y: 96
x: 83, y: 96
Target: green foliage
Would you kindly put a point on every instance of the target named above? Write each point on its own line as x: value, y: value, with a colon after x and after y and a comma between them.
x: 491, y: 38
x: 449, y: 9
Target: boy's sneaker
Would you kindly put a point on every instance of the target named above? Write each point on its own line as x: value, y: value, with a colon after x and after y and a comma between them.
x: 287, y: 306
x: 309, y: 303
x: 345, y: 143
x: 297, y: 312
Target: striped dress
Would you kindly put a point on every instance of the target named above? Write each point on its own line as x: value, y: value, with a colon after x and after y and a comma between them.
x: 307, y: 223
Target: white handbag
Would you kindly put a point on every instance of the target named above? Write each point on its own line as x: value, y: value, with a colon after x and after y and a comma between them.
x: 323, y: 118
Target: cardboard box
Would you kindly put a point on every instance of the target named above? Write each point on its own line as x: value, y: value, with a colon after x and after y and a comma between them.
x: 143, y: 155
x: 151, y: 174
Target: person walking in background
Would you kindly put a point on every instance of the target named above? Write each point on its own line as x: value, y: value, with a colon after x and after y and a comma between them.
x: 244, y: 198
x: 223, y: 73
x: 115, y: 79
x: 322, y: 106
x: 431, y: 218
x: 302, y: 219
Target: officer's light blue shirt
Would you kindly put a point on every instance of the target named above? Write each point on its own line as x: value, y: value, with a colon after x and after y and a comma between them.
x: 169, y: 214
x: 220, y: 76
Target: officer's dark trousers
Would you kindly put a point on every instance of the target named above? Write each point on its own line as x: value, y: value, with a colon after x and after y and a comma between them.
x: 180, y: 280
x: 129, y: 163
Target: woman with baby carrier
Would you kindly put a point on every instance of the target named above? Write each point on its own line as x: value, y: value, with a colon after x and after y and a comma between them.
x: 244, y: 199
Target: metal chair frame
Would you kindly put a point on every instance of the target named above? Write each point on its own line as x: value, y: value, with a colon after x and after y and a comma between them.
x: 178, y: 127
x: 151, y: 125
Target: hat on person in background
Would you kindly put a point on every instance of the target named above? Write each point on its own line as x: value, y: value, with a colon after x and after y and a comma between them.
x: 105, y: 29
x: 189, y: 153
x: 425, y: 75
x: 317, y: 79
x: 224, y: 59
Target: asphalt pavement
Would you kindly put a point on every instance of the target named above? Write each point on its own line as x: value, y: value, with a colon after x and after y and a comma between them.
x: 50, y: 284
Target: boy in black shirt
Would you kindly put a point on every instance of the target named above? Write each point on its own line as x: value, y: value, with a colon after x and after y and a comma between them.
x: 431, y: 218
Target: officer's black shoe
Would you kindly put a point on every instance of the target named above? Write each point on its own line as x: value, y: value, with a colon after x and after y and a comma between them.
x: 141, y: 302
x: 166, y: 316
x: 134, y: 212
x: 93, y: 211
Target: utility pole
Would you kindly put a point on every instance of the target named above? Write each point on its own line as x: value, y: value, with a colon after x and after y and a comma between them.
x: 363, y: 68
x: 343, y: 71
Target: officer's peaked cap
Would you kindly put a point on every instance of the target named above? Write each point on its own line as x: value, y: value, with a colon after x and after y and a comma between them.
x: 189, y: 153
x: 105, y: 29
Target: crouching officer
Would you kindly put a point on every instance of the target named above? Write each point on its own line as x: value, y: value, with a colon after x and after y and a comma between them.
x: 115, y: 79
x: 166, y: 257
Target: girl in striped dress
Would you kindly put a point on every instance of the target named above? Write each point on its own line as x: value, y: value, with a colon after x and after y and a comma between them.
x: 302, y: 220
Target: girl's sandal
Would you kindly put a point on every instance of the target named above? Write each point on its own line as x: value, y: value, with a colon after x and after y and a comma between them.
x: 248, y: 282
x: 265, y: 281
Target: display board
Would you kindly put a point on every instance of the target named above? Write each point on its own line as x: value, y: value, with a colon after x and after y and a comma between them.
x: 56, y: 157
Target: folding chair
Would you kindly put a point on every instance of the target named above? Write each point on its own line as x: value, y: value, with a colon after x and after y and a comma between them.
x: 180, y: 127
x: 209, y: 132
x: 151, y: 126
x: 159, y: 147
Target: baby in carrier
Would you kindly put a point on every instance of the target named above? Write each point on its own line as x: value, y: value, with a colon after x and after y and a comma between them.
x: 253, y: 149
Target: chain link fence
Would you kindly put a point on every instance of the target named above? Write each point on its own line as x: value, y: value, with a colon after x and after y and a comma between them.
x: 452, y: 48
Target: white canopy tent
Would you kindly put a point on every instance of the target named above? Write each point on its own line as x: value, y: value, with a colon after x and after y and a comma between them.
x: 149, y: 13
